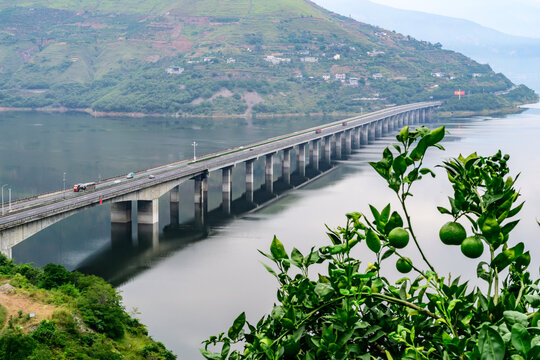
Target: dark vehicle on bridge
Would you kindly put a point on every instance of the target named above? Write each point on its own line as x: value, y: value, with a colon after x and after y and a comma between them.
x: 318, y: 131
x: 85, y: 186
x: 344, y: 123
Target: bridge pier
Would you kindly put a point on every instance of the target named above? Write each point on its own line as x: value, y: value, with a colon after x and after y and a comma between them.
x: 201, y: 199
x: 314, y: 154
x: 386, y: 125
x: 226, y: 189
x: 121, y: 212
x: 327, y: 149
x: 286, y: 166
x: 301, y: 159
x: 378, y: 128
x: 338, y: 139
x: 148, y: 211
x: 348, y: 141
x: 364, y: 134
x: 395, y: 122
x: 175, y: 205
x: 269, y: 173
x: 249, y: 180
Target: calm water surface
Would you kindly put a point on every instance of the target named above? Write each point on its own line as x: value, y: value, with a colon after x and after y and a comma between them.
x: 192, y: 285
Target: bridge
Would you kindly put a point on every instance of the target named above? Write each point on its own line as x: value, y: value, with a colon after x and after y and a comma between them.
x: 325, y: 143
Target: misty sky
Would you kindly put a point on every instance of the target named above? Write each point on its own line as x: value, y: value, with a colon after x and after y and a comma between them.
x: 516, y: 17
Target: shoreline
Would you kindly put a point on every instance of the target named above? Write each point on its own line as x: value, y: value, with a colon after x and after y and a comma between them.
x: 99, y: 114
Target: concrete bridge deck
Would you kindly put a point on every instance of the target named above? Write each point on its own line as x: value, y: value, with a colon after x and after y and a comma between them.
x: 29, y: 216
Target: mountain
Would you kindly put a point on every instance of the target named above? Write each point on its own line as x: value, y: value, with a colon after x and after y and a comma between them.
x: 513, y: 55
x: 218, y: 57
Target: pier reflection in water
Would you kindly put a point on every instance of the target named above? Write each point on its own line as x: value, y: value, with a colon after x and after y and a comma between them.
x: 134, y: 247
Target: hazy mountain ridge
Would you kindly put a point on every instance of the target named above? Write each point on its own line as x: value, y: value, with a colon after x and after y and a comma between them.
x: 217, y: 57
x: 502, y: 51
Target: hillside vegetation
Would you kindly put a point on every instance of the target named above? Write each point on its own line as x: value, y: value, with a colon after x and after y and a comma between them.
x: 51, y: 313
x: 226, y: 57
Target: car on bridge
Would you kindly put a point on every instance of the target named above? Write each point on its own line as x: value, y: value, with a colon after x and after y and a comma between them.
x: 345, y: 123
x: 318, y: 131
x: 130, y: 175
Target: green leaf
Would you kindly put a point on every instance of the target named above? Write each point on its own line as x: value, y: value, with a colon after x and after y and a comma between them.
x: 394, y: 222
x: 533, y: 300
x: 237, y: 326
x: 296, y: 257
x: 420, y: 149
x: 334, y: 238
x: 277, y: 249
x: 387, y: 159
x: 443, y: 210
x: 505, y: 258
x: 373, y: 242
x: 269, y: 269
x: 399, y: 165
x: 375, y: 213
x: 225, y: 349
x: 509, y: 227
x: 403, y: 135
x: 425, y: 171
x: 490, y: 344
x: 381, y: 169
x: 278, y: 312
x: 323, y: 289
x: 210, y: 355
x: 435, y: 136
x: 521, y: 339
x: 515, y: 210
x: 515, y: 317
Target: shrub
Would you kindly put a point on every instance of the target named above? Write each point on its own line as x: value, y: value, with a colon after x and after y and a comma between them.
x: 349, y: 313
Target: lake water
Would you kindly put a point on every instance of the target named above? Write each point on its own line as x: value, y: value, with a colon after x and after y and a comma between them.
x: 193, y: 285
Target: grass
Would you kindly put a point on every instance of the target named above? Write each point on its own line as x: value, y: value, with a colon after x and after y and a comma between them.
x: 3, y: 316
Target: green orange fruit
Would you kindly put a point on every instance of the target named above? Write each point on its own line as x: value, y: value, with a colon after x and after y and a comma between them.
x: 398, y: 237
x: 452, y: 233
x: 404, y: 265
x: 472, y: 247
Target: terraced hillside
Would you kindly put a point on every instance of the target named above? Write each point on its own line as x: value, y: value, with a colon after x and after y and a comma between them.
x: 220, y: 57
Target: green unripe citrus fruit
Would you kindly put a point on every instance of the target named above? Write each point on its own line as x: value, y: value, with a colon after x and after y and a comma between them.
x: 404, y: 265
x: 398, y: 237
x: 472, y: 247
x: 452, y: 233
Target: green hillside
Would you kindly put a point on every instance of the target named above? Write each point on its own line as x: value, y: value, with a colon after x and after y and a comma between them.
x: 219, y: 57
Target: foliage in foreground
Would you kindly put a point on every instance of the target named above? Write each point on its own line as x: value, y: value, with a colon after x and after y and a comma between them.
x: 90, y: 322
x: 348, y: 313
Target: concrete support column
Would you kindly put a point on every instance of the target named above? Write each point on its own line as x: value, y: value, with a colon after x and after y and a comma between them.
x: 269, y: 173
x: 121, y: 212
x: 301, y: 159
x: 378, y: 129
x: 314, y: 154
x: 148, y: 211
x: 386, y: 125
x: 423, y: 115
x: 175, y: 204
x: 357, y: 135
x: 395, y: 122
x: 401, y: 120
x: 348, y: 141
x: 249, y: 180
x: 286, y: 166
x: 338, y: 138
x: 327, y: 152
x: 372, y: 131
x: 416, y: 116
x: 201, y: 199
x: 364, y: 135
x: 226, y: 189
